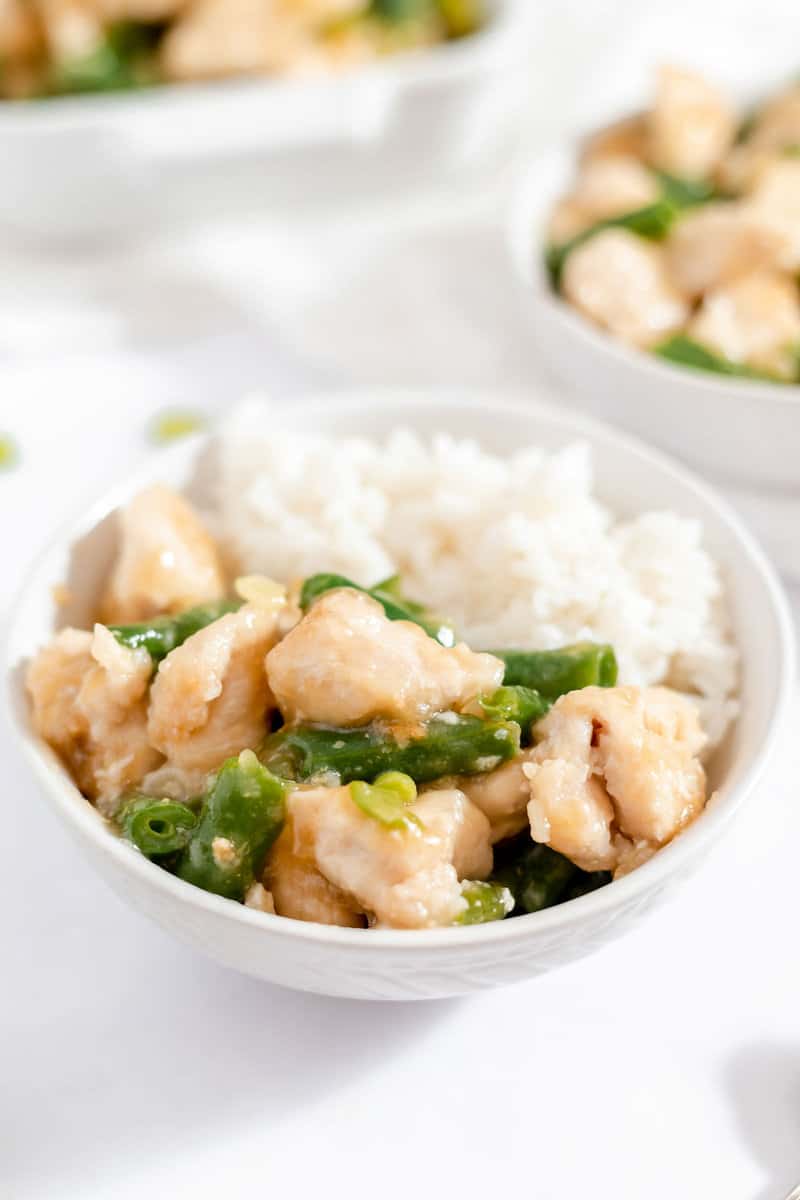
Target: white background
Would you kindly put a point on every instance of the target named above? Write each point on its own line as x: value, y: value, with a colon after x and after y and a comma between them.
x: 666, y: 1066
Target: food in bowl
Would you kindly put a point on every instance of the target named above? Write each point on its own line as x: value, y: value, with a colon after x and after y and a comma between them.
x: 64, y: 47
x: 681, y: 232
x: 335, y: 752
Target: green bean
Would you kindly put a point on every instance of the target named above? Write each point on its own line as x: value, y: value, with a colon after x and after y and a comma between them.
x: 388, y: 594
x: 400, y: 10
x: 685, y: 193
x: 450, y: 744
x: 686, y: 352
x: 485, y: 902
x: 242, y: 815
x: 514, y: 703
x: 552, y: 673
x: 387, y: 800
x: 162, y: 634
x: 538, y: 877
x: 124, y: 58
x: 158, y: 828
x: 652, y: 222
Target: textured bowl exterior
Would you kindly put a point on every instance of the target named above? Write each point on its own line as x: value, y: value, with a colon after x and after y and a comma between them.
x: 748, y: 433
x: 397, y: 965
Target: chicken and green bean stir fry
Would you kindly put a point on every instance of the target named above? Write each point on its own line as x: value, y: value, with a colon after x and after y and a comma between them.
x: 681, y: 233
x: 62, y: 47
x: 331, y: 752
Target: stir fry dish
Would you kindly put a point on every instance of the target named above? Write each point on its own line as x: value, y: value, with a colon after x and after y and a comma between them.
x: 331, y: 752
x: 681, y: 234
x: 64, y: 47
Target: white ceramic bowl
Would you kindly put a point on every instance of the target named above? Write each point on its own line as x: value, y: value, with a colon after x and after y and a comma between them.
x: 119, y: 161
x: 742, y: 432
x: 394, y: 965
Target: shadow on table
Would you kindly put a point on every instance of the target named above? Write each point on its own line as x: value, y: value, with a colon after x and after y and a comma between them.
x: 196, y: 1053
x: 763, y: 1082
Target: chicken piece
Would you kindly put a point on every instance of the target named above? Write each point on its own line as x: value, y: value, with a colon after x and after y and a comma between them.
x: 755, y: 321
x: 449, y: 814
x: 625, y: 138
x: 502, y: 796
x: 775, y: 203
x: 141, y: 10
x: 691, y: 125
x: 174, y: 783
x: 20, y: 32
x: 89, y: 696
x: 167, y: 561
x: 53, y: 680
x: 777, y: 125
x: 346, y: 663
x: 239, y: 37
x: 300, y: 891
x: 407, y: 878
x: 228, y: 37
x: 716, y: 244
x: 610, y: 186
x: 567, y: 220
x: 210, y: 697
x: 259, y: 898
x: 741, y: 169
x: 605, y: 187
x: 616, y: 771
x: 71, y: 28
x: 620, y: 282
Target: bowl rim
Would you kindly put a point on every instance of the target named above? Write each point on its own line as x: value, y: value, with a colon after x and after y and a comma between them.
x: 529, y: 205
x: 78, y: 813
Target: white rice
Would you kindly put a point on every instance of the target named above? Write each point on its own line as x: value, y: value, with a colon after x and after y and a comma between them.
x: 516, y: 551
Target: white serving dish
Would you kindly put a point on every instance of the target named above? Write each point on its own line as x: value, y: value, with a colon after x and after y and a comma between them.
x: 399, y: 965
x: 88, y: 165
x: 747, y: 434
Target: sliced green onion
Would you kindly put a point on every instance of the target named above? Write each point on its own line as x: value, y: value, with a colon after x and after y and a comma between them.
x: 485, y: 902
x: 156, y: 827
x: 387, y: 800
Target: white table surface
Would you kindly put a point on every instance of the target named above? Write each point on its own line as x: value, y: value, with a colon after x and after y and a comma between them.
x: 666, y: 1066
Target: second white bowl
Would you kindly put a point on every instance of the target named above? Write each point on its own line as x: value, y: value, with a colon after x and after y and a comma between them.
x: 742, y: 432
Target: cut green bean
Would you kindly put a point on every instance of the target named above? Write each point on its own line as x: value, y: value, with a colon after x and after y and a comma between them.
x: 515, y: 703
x: 450, y: 744
x: 552, y: 673
x: 685, y: 193
x: 387, y: 800
x: 398, y: 11
x: 485, y: 902
x: 161, y: 635
x: 158, y: 828
x: 241, y: 817
x: 388, y: 594
x: 536, y: 876
x: 686, y: 352
x: 123, y: 59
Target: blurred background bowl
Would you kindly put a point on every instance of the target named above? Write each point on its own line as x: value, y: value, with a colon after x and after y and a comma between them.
x: 743, y: 435
x: 83, y: 166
